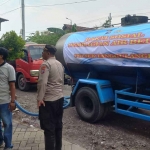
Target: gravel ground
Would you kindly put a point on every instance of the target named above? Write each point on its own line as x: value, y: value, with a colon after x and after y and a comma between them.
x: 115, y: 132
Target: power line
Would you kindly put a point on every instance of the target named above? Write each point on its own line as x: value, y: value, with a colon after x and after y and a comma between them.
x: 112, y: 17
x: 62, y: 3
x: 10, y: 11
x: 93, y: 20
x: 5, y: 2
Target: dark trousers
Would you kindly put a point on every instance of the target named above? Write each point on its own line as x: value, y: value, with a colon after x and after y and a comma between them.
x: 51, y: 122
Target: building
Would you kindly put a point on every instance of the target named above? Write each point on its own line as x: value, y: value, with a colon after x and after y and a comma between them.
x: 68, y: 27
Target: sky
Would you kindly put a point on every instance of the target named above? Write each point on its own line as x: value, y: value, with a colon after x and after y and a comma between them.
x: 86, y: 13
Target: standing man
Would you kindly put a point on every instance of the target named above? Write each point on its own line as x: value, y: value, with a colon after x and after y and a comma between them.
x: 50, y: 98
x: 7, y: 103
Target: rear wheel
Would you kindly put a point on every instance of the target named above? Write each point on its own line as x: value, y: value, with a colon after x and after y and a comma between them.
x: 22, y: 84
x: 88, y: 105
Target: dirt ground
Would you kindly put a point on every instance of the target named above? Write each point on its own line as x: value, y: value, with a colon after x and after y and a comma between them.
x: 116, y: 132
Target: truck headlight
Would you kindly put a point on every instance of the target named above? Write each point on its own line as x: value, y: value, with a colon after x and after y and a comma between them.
x: 34, y: 73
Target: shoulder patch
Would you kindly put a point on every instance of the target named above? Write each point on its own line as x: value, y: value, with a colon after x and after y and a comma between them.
x: 43, y: 67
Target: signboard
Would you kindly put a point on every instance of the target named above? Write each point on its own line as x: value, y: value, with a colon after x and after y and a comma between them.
x: 123, y: 46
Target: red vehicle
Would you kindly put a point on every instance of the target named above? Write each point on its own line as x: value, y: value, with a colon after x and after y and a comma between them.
x: 27, y: 68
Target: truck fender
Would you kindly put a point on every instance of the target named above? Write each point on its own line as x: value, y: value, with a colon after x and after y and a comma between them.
x: 26, y: 75
x: 102, y: 87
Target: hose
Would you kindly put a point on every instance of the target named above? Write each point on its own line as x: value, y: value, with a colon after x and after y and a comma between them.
x: 65, y: 105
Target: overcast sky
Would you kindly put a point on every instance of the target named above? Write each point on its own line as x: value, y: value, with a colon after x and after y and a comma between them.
x: 86, y: 13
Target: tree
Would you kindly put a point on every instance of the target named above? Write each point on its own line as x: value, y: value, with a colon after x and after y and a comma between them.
x: 51, y: 38
x: 14, y: 44
x: 62, y: 32
x: 74, y: 28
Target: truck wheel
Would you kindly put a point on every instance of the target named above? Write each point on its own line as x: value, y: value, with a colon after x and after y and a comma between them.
x: 88, y: 105
x: 106, y: 110
x: 22, y: 84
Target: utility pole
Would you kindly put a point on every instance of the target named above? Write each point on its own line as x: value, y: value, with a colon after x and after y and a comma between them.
x: 23, y: 19
x: 107, y: 23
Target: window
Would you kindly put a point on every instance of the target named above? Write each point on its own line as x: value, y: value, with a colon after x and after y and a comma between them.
x: 36, y: 52
x: 25, y: 58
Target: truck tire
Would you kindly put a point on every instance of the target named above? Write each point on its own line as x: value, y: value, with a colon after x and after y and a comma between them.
x: 22, y: 84
x: 106, y: 110
x: 88, y: 105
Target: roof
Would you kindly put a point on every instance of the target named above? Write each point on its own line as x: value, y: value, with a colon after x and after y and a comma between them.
x: 3, y: 20
x: 79, y: 28
x: 28, y: 44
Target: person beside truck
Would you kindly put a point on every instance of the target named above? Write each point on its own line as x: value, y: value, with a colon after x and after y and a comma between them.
x: 50, y: 98
x: 7, y: 98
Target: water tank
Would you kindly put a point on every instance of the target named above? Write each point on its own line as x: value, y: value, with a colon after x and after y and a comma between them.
x: 133, y: 20
x: 119, y: 54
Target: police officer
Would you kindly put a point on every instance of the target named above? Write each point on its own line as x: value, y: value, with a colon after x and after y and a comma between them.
x: 50, y: 98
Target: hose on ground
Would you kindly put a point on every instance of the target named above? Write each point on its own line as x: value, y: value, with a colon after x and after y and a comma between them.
x: 65, y: 105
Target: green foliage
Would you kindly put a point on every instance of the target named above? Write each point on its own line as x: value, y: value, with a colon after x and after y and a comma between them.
x: 14, y: 44
x: 74, y: 28
x: 51, y: 39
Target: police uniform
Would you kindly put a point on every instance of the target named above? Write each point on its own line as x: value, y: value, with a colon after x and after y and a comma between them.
x: 50, y: 89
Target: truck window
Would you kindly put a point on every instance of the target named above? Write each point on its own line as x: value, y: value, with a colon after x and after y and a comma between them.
x: 25, y: 58
x: 36, y: 52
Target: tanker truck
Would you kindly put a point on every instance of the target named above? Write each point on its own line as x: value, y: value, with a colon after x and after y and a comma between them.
x: 109, y: 69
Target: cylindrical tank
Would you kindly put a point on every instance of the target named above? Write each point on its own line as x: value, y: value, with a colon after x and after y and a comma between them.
x: 120, y: 54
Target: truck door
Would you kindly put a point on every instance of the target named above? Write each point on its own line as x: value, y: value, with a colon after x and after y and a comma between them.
x: 22, y: 64
x: 23, y: 74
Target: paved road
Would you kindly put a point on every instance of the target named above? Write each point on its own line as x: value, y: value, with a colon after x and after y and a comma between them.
x: 29, y: 138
